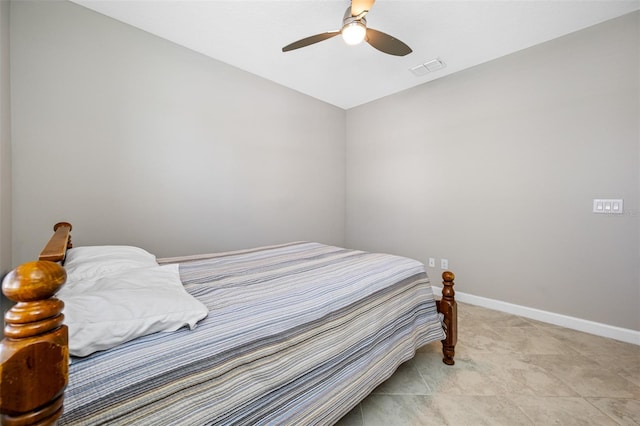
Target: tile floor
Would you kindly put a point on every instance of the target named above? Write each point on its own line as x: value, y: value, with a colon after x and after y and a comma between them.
x: 510, y: 371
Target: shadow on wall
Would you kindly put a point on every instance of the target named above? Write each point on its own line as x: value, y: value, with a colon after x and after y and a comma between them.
x: 5, y: 303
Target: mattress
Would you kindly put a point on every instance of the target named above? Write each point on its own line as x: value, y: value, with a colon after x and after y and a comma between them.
x: 297, y: 333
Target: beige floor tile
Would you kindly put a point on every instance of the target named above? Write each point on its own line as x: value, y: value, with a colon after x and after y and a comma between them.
x: 466, y: 377
x: 627, y: 367
x: 623, y: 411
x: 587, y: 377
x: 480, y: 410
x: 510, y: 371
x: 490, y: 374
x: 479, y: 339
x: 469, y: 314
x: 405, y: 381
x: 519, y: 376
x: 531, y: 341
x: 598, y: 348
x: 566, y: 411
x: 401, y: 410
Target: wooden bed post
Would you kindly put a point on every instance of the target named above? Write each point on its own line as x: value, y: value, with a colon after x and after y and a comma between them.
x: 449, y: 308
x: 35, y: 358
x: 34, y: 355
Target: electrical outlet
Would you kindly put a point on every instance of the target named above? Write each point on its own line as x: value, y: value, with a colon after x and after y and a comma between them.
x: 432, y: 262
x: 444, y: 264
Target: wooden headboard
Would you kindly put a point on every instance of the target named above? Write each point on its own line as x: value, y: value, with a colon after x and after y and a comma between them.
x: 56, y: 248
x: 34, y: 355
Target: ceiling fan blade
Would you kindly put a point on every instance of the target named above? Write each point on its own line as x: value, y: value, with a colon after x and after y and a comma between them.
x: 310, y: 40
x: 359, y: 6
x: 386, y: 43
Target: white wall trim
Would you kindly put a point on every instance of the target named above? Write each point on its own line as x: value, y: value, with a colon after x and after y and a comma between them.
x: 599, y: 329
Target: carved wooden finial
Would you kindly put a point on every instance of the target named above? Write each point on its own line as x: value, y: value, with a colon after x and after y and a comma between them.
x: 33, y: 281
x: 447, y: 285
x: 59, y: 224
x: 35, y: 346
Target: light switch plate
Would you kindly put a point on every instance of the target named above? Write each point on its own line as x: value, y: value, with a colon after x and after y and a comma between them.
x: 608, y: 206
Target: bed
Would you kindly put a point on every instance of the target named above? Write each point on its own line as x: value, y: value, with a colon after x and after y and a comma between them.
x: 296, y: 333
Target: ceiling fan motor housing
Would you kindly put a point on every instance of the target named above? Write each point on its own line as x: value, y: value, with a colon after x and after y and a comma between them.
x: 349, y: 19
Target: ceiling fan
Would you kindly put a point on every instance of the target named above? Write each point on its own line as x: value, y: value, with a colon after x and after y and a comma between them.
x: 354, y: 30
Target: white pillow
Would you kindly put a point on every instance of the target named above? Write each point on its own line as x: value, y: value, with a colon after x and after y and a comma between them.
x: 114, y: 309
x: 90, y: 262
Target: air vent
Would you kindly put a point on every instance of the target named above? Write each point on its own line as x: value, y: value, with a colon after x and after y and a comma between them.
x: 427, y: 67
x: 419, y: 70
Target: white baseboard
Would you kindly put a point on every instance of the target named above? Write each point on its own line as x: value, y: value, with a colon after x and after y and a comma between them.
x: 599, y: 329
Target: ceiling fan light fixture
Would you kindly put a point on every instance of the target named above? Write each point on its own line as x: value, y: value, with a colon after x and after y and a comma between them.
x: 354, y: 33
x: 354, y: 30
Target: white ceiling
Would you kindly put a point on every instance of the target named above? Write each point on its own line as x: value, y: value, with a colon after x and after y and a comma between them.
x: 250, y: 35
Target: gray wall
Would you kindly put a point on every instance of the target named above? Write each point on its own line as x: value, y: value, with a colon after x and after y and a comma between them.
x: 495, y: 169
x: 5, y: 146
x: 135, y: 140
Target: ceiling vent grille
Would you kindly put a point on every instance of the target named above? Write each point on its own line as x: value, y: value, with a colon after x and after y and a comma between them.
x: 427, y: 67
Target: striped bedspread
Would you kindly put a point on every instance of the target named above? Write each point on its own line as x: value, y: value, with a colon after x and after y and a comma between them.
x: 296, y: 334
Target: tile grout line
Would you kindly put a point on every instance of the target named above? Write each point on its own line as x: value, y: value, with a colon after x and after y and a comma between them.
x: 597, y: 408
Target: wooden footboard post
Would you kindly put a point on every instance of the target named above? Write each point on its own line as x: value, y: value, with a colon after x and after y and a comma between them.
x: 449, y: 308
x: 34, y: 358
